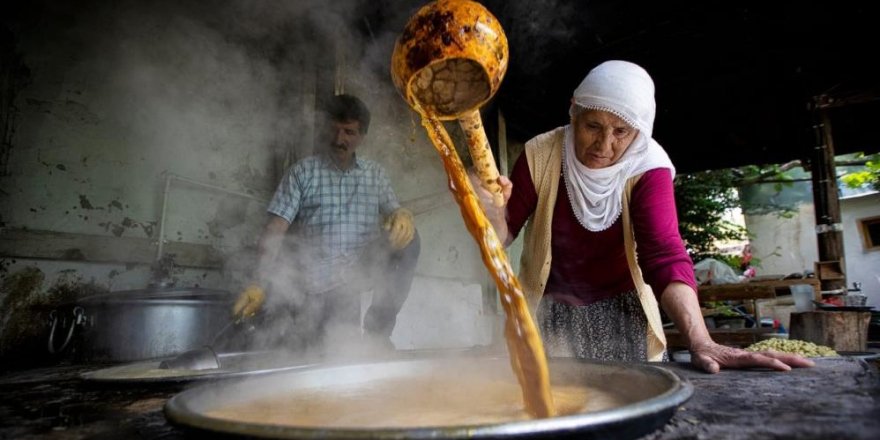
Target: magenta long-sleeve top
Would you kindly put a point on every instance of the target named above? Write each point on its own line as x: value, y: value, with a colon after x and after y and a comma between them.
x: 591, y: 266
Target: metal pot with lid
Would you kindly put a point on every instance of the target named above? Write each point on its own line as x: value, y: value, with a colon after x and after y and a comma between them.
x: 138, y: 324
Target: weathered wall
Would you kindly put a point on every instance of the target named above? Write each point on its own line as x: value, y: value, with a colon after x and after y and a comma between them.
x: 788, y: 245
x: 862, y: 265
x: 118, y: 96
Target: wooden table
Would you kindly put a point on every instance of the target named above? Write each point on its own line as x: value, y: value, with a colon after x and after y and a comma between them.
x: 748, y: 291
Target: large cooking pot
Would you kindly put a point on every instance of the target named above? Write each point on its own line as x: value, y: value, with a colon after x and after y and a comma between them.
x: 138, y: 324
x: 624, y: 401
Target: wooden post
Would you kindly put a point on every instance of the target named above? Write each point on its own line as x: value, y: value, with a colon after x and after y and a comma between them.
x: 829, y: 231
x: 842, y: 331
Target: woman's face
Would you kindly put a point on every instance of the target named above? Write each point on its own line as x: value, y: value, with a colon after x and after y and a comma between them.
x: 600, y: 138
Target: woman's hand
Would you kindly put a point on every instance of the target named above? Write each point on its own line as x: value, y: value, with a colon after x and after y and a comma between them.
x: 487, y: 198
x: 496, y: 214
x: 680, y: 302
x: 712, y: 357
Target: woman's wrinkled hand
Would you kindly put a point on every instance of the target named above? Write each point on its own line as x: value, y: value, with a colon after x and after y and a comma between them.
x: 712, y: 357
x: 488, y: 200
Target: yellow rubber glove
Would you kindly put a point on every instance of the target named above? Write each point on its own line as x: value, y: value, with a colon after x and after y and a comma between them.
x: 400, y: 228
x: 249, y: 302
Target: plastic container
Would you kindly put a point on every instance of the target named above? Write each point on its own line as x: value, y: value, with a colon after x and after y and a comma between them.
x: 803, y: 297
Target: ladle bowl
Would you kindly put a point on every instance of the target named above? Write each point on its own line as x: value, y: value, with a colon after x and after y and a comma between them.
x: 450, y: 58
x: 448, y: 62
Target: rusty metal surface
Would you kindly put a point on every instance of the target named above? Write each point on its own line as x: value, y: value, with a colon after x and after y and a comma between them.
x: 839, y: 398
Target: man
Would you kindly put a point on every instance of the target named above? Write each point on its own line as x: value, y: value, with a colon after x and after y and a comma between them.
x: 335, y: 230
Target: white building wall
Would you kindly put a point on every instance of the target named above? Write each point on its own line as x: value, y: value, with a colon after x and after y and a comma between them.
x: 862, y: 265
x: 788, y: 245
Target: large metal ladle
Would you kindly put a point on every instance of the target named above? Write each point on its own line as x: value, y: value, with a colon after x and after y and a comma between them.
x: 204, y: 358
x: 449, y: 60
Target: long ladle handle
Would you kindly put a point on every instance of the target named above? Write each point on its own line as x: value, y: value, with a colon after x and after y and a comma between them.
x: 481, y: 153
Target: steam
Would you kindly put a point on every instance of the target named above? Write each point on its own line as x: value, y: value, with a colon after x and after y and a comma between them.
x: 224, y: 91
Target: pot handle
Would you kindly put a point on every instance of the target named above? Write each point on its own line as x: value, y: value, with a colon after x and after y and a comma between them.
x: 78, y: 319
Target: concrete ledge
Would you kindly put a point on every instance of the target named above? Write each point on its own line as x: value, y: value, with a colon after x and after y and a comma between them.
x: 66, y: 246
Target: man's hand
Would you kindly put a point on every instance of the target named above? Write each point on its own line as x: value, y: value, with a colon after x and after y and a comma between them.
x: 400, y: 228
x: 249, y: 302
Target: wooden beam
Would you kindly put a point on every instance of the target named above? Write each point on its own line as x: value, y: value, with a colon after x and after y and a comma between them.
x: 755, y: 289
x: 829, y: 230
x: 733, y: 337
x: 736, y: 291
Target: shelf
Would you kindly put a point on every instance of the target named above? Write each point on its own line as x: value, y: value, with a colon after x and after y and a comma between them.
x: 742, y: 337
x: 755, y: 289
x: 736, y: 291
x: 747, y: 291
x: 829, y: 270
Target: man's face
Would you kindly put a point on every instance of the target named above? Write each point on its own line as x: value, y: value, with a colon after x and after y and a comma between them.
x: 600, y: 138
x: 343, y: 138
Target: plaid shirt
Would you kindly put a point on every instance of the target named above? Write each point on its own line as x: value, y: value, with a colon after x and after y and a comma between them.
x: 333, y: 214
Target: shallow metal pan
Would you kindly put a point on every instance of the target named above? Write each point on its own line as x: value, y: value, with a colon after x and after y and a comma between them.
x: 650, y: 394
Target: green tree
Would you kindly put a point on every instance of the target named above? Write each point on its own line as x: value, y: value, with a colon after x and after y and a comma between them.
x: 702, y: 199
x: 867, y: 177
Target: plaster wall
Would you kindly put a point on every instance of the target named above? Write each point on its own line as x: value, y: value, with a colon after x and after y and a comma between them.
x: 862, y: 265
x: 788, y: 245
x: 121, y: 95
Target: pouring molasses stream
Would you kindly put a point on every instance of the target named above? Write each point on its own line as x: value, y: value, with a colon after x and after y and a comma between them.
x: 449, y: 60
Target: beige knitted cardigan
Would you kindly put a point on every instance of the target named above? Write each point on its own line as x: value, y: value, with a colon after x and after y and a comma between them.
x: 544, y: 154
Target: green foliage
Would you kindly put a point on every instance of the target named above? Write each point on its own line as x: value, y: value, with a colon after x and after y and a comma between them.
x: 760, y: 198
x: 702, y: 199
x: 722, y: 308
x: 868, y: 177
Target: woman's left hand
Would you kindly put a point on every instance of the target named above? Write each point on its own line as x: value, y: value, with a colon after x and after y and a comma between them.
x: 712, y: 357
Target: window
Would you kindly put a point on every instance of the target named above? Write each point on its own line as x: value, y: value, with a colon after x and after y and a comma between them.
x: 870, y: 230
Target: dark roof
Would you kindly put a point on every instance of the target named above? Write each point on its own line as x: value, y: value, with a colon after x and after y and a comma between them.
x: 734, y: 79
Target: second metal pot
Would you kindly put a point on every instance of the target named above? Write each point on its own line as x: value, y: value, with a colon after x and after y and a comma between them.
x: 139, y: 324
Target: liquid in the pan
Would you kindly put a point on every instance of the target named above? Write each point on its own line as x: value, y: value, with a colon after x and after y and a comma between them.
x: 410, y: 402
x: 527, y: 356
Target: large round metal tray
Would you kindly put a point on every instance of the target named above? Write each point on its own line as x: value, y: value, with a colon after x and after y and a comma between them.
x: 232, y: 365
x: 648, y: 396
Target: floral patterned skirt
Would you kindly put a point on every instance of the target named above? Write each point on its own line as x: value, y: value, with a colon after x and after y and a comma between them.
x: 614, y: 329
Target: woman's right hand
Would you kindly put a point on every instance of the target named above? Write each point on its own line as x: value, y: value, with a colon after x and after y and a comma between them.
x: 497, y: 215
x: 487, y: 198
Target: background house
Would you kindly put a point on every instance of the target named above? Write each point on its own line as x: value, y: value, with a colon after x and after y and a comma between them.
x: 781, y: 222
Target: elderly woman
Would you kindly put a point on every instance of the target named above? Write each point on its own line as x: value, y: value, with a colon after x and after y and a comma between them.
x: 601, y: 246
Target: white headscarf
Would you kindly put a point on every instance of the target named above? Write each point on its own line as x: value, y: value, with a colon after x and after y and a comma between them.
x: 627, y: 91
